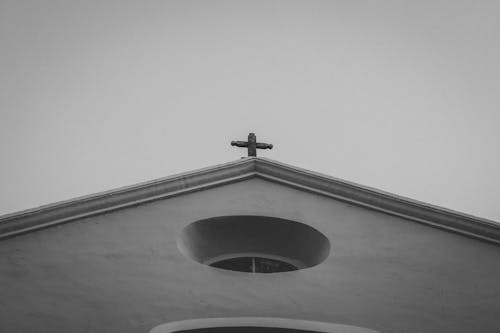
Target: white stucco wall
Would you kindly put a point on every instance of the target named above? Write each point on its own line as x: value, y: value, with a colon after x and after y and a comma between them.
x: 122, y: 271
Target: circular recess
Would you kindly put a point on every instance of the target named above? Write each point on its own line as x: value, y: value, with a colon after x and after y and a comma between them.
x: 255, y: 265
x: 254, y: 244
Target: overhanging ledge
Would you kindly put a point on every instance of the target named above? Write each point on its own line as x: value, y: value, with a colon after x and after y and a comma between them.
x: 379, y: 200
x: 246, y: 168
x: 245, y: 324
x: 66, y: 211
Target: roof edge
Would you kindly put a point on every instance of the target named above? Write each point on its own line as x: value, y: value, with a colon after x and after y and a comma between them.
x: 69, y: 210
x: 239, y: 170
x: 392, y: 204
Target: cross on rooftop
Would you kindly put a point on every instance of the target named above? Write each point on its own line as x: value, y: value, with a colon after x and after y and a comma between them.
x: 252, y: 144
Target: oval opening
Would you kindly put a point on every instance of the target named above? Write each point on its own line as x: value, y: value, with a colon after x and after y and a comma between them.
x: 255, y: 265
x: 253, y: 244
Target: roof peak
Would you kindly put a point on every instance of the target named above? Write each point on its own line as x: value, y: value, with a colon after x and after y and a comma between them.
x: 239, y: 170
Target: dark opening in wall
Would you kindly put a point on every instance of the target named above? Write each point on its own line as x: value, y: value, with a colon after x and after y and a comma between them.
x: 255, y: 325
x: 254, y: 244
x: 254, y: 265
x: 246, y: 329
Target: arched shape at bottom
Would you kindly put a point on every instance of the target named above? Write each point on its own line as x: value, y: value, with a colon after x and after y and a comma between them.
x: 255, y: 325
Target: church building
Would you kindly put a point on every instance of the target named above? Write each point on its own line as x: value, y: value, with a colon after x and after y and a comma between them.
x: 253, y: 245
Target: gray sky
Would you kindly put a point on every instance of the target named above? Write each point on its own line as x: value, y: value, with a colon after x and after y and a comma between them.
x: 398, y: 95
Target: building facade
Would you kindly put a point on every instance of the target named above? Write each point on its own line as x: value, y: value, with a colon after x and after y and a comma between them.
x: 248, y: 246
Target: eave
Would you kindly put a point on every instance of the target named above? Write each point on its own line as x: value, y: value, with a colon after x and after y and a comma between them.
x: 246, y: 168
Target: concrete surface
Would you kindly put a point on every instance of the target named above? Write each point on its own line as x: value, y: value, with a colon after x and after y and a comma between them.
x: 122, y: 271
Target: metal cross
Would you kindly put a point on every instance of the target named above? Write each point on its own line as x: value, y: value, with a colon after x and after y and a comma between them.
x: 252, y: 144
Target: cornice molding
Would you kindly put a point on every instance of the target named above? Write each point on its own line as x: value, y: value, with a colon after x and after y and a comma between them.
x: 246, y: 168
x: 66, y: 211
x: 379, y: 200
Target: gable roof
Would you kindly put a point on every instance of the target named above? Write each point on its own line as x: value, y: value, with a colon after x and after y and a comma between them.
x: 246, y: 168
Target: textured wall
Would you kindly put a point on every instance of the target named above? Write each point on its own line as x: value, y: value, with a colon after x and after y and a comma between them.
x: 122, y: 271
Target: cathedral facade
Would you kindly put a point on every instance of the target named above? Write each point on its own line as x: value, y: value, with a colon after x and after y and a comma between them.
x: 253, y: 245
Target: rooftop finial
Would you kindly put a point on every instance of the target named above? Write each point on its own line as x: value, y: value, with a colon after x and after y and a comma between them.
x: 252, y: 144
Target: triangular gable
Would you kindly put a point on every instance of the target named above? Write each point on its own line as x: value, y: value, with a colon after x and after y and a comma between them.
x: 245, y: 168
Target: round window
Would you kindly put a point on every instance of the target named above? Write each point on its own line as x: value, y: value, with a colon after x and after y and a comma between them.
x: 254, y: 265
x: 254, y: 244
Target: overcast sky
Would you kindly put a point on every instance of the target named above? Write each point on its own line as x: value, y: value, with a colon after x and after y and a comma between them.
x: 398, y: 95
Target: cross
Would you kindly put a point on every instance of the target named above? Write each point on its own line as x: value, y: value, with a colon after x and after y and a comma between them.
x: 252, y: 144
